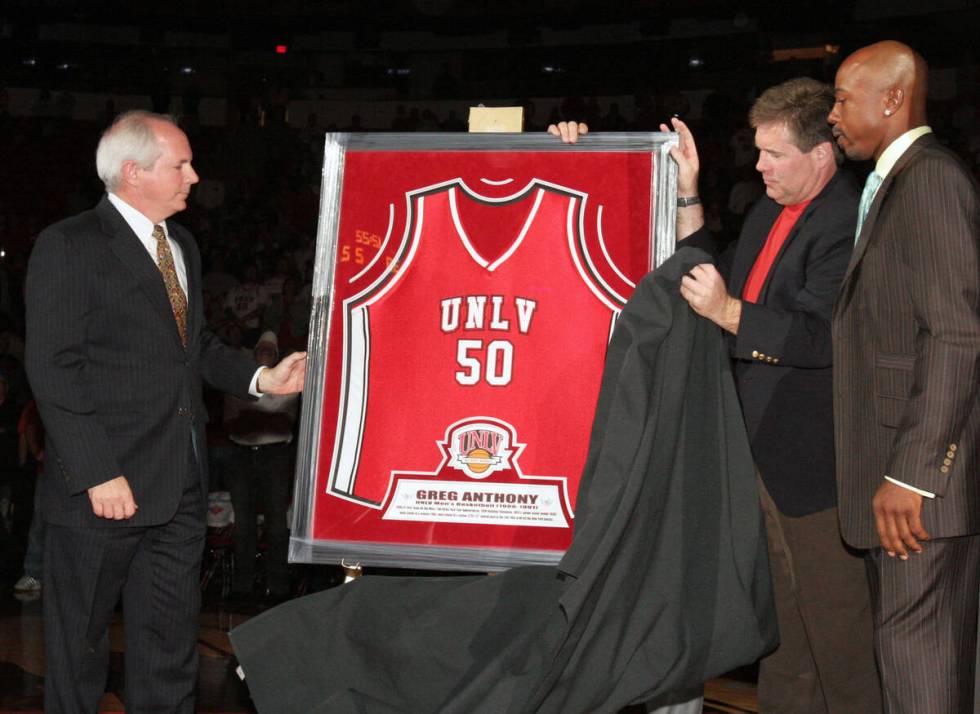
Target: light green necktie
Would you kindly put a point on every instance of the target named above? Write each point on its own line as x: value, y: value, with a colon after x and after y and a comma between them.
x: 867, y: 196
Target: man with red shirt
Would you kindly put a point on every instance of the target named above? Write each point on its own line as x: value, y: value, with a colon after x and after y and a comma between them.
x: 773, y: 292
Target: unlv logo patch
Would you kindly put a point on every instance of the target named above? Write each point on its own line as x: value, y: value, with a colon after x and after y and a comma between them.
x: 479, y: 446
x: 478, y: 449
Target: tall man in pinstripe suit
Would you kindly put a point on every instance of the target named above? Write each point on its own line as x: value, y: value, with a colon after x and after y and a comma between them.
x: 116, y: 352
x: 906, y: 331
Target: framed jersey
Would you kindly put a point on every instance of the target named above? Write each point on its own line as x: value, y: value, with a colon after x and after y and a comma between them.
x: 465, y: 288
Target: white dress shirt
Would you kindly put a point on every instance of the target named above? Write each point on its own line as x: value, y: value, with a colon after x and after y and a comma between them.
x: 143, y: 228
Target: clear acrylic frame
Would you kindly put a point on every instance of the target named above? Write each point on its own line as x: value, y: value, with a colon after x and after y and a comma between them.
x: 304, y: 546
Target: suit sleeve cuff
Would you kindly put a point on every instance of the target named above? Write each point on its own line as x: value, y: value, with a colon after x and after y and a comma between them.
x: 253, y: 387
x: 919, y: 491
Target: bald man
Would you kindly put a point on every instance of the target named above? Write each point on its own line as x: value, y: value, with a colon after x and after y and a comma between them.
x: 906, y: 331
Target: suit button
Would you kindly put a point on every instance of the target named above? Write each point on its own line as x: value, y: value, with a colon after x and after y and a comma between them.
x: 944, y: 469
x: 775, y: 360
x: 950, y: 454
x: 755, y: 353
x: 952, y: 447
x: 947, y: 462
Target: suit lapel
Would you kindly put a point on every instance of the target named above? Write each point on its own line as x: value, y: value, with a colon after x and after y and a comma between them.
x: 794, y: 232
x: 798, y: 228
x: 867, y: 228
x: 132, y: 254
x: 759, y: 237
x: 755, y: 237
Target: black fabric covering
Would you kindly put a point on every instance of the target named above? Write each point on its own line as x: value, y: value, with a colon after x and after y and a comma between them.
x: 665, y: 585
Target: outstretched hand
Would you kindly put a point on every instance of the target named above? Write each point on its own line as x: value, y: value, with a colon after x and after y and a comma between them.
x: 686, y: 156
x: 568, y: 131
x: 287, y: 377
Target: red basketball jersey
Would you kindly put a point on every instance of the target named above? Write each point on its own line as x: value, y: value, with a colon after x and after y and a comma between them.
x: 447, y: 334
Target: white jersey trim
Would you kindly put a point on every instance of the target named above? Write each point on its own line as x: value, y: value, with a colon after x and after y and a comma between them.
x: 515, y: 244
x: 353, y: 411
x: 605, y: 252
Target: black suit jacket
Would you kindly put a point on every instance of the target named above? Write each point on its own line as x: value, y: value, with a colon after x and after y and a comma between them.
x: 783, y: 350
x: 117, y: 392
x: 907, y: 348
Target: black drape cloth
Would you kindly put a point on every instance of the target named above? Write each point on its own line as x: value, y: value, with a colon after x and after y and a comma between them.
x: 665, y: 585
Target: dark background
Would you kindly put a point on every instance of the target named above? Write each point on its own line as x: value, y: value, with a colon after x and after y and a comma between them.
x: 256, y: 116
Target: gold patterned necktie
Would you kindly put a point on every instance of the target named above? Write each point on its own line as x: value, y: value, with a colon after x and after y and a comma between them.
x: 178, y: 301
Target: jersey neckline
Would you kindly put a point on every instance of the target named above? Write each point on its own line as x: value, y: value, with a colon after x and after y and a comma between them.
x: 514, y: 244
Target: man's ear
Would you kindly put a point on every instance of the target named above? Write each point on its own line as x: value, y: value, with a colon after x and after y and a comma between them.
x: 130, y: 173
x: 824, y: 153
x: 894, y: 99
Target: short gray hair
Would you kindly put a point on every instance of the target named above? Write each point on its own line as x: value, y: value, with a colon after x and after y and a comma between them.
x: 129, y: 138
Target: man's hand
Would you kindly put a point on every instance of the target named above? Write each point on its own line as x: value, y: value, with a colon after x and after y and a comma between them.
x: 897, y: 511
x: 686, y: 156
x: 113, y: 499
x: 568, y: 131
x: 287, y: 377
x: 705, y: 291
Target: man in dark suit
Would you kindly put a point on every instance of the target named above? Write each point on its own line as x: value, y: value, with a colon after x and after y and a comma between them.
x: 116, y: 352
x: 906, y: 330
x: 772, y: 293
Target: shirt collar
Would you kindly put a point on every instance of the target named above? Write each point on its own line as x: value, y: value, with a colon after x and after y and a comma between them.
x: 141, y: 225
x: 890, y: 156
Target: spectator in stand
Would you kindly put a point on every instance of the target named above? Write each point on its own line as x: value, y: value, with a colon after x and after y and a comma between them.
x: 356, y: 124
x: 530, y: 124
x: 454, y: 123
x: 414, y: 119
x: 272, y: 287
x: 243, y: 305
x: 445, y: 85
x: 288, y: 315
x: 401, y: 121
x: 614, y: 119
x: 428, y: 121
x: 9, y: 475
x: 10, y: 342
x: 263, y: 433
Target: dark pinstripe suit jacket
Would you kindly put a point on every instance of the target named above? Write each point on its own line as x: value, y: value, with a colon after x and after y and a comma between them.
x: 906, y: 331
x: 117, y: 391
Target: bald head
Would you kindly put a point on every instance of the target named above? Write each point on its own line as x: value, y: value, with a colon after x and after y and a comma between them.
x: 891, y: 66
x: 881, y: 93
